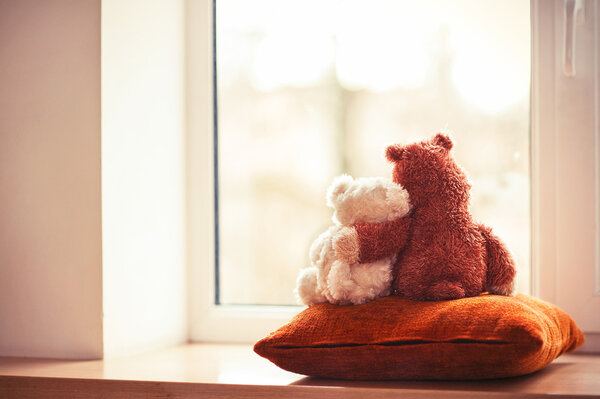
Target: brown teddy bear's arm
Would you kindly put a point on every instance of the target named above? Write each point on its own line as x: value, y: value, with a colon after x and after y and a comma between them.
x: 368, y: 242
x: 379, y: 240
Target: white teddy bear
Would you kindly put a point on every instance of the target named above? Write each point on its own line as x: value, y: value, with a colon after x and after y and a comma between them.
x: 371, y: 200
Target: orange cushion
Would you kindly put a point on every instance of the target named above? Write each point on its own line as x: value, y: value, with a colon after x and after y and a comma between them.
x: 488, y: 336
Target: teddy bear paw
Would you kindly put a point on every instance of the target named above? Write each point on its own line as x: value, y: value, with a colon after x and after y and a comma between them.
x: 307, y: 289
x: 507, y: 290
x: 340, y: 283
x: 446, y: 290
x: 346, y: 246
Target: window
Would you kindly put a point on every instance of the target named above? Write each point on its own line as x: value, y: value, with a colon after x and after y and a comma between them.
x: 370, y: 112
x: 298, y: 106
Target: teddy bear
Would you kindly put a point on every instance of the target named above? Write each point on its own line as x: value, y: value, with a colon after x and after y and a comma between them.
x: 446, y: 255
x: 369, y: 200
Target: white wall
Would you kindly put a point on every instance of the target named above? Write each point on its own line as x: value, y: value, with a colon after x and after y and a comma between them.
x: 50, y: 219
x: 69, y: 249
x: 143, y: 174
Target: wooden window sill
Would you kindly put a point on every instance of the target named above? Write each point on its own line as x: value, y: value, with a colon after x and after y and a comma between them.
x: 218, y: 371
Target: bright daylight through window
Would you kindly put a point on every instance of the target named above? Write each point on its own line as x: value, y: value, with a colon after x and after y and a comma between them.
x: 308, y: 90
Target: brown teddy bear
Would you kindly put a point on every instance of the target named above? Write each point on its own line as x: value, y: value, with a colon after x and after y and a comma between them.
x: 447, y: 255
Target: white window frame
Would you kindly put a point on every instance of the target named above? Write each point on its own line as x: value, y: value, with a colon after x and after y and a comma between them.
x: 207, y: 321
x: 565, y: 161
x: 550, y: 128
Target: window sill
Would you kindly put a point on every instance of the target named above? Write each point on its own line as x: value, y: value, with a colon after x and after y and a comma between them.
x: 210, y: 371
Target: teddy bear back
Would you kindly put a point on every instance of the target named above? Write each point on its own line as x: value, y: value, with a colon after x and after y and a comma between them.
x: 366, y: 199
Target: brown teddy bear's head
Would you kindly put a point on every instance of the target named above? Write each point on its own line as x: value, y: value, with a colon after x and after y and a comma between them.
x: 429, y: 173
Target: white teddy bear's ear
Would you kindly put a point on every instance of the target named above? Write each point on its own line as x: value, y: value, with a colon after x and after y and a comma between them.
x: 338, y: 187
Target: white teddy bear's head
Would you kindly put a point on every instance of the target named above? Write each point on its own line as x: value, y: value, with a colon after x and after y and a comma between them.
x: 366, y: 199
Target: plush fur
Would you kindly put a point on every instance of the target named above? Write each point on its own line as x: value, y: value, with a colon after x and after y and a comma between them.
x: 329, y: 279
x: 446, y: 254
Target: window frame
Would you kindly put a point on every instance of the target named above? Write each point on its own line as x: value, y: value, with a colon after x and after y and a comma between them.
x: 565, y: 172
x: 246, y: 324
x: 208, y: 321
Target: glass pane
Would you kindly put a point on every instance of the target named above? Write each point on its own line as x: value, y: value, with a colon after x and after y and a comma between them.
x: 308, y: 90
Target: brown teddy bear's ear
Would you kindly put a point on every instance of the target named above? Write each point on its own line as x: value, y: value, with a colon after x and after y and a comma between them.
x: 443, y: 140
x: 394, y: 153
